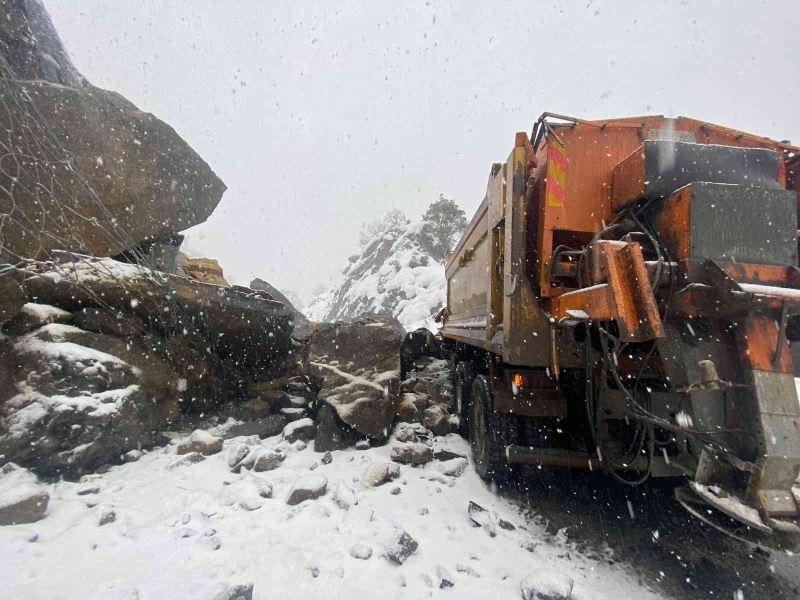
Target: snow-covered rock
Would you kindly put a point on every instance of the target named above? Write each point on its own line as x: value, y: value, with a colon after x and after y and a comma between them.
x: 393, y: 274
x: 400, y: 546
x: 412, y: 453
x: 199, y: 441
x: 302, y: 429
x: 32, y: 316
x: 360, y: 551
x: 22, y: 498
x: 547, y: 584
x: 307, y: 488
x: 378, y: 473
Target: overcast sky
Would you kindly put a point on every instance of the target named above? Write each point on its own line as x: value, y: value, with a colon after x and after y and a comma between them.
x: 321, y: 116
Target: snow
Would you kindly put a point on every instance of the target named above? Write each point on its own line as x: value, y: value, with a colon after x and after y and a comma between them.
x: 185, y: 532
x: 44, y: 313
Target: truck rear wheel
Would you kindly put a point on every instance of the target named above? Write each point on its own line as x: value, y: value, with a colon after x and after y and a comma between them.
x: 490, y: 434
x: 463, y: 377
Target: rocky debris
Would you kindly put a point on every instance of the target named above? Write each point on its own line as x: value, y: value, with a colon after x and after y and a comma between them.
x: 360, y: 551
x: 437, y: 419
x: 101, y: 320
x: 107, y: 515
x: 247, y: 493
x: 12, y: 297
x: 358, y: 366
x: 72, y: 400
x: 22, y: 498
x: 187, y: 459
x: 206, y: 270
x: 411, y: 432
x: 411, y: 408
x: 412, y: 453
x: 445, y: 577
x: 263, y: 428
x: 453, y: 467
x: 332, y: 432
x: 241, y: 591
x: 32, y: 316
x: 327, y: 458
x: 307, y: 488
x: 343, y: 496
x: 400, y: 546
x: 199, y: 441
x: 93, y: 208
x: 379, y: 473
x: 302, y: 326
x: 489, y: 520
x: 547, y: 584
x: 302, y: 429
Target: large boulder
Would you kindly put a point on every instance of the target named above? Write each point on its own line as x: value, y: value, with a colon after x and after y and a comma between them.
x: 301, y: 323
x: 207, y: 270
x: 71, y: 400
x: 99, y: 154
x: 358, y: 367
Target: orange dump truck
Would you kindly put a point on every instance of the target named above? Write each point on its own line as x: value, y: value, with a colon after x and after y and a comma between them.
x: 627, y: 298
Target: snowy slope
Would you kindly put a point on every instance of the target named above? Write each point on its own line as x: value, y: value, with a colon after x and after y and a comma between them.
x: 391, y: 274
x: 185, y: 531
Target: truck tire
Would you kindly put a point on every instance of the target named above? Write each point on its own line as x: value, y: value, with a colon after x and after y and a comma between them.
x: 490, y: 433
x: 463, y: 376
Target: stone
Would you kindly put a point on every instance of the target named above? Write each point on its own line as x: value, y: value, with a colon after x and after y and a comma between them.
x: 32, y: 316
x: 444, y: 455
x: 172, y: 187
x: 240, y: 591
x: 309, y: 487
x: 467, y: 570
x: 453, y: 467
x: 360, y: 551
x: 248, y: 493
x: 327, y: 458
x: 200, y: 441
x: 343, y: 496
x: 400, y: 546
x: 267, y: 459
x: 12, y: 296
x: 358, y: 366
x: 436, y: 418
x: 332, y: 432
x: 263, y: 428
x: 206, y: 270
x: 187, y: 459
x: 379, y: 473
x: 237, y: 456
x: 301, y: 323
x: 294, y: 414
x: 411, y: 453
x: 410, y: 432
x: 107, y: 516
x: 445, y: 576
x: 395, y: 491
x: 102, y: 320
x: 89, y: 398
x: 22, y: 498
x: 302, y: 429
x: 547, y: 584
x: 411, y: 407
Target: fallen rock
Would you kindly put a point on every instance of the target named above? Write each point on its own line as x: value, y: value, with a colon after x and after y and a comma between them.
x: 301, y: 324
x: 72, y: 400
x: 379, y: 473
x: 547, y: 584
x: 102, y: 320
x: 302, y: 429
x: 187, y: 459
x: 400, y: 547
x: 332, y: 432
x: 22, y: 498
x: 327, y: 458
x: 248, y: 493
x: 437, y: 419
x: 267, y: 459
x: 263, y: 428
x: 307, y: 488
x: 294, y: 414
x: 358, y: 365
x: 412, y: 453
x: 445, y: 576
x: 48, y: 99
x: 360, y: 551
x: 241, y: 591
x: 343, y: 496
x: 467, y: 570
x: 237, y: 456
x: 453, y: 467
x: 410, y: 432
x: 411, y: 407
x: 206, y: 270
x: 200, y: 441
x: 32, y: 316
x: 444, y: 455
x: 12, y: 296
x: 107, y: 516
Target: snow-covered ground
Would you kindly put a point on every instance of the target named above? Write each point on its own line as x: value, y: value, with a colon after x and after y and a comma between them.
x: 186, y: 531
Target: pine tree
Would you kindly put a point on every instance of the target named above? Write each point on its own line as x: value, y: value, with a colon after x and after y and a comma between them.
x: 442, y: 225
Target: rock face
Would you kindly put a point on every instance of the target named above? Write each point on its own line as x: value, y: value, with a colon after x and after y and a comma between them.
x: 32, y: 316
x: 358, y: 366
x: 300, y: 320
x: 54, y: 112
x: 71, y: 400
x: 392, y: 274
x: 207, y: 270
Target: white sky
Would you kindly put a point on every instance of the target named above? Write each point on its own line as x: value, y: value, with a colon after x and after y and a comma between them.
x: 321, y: 116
